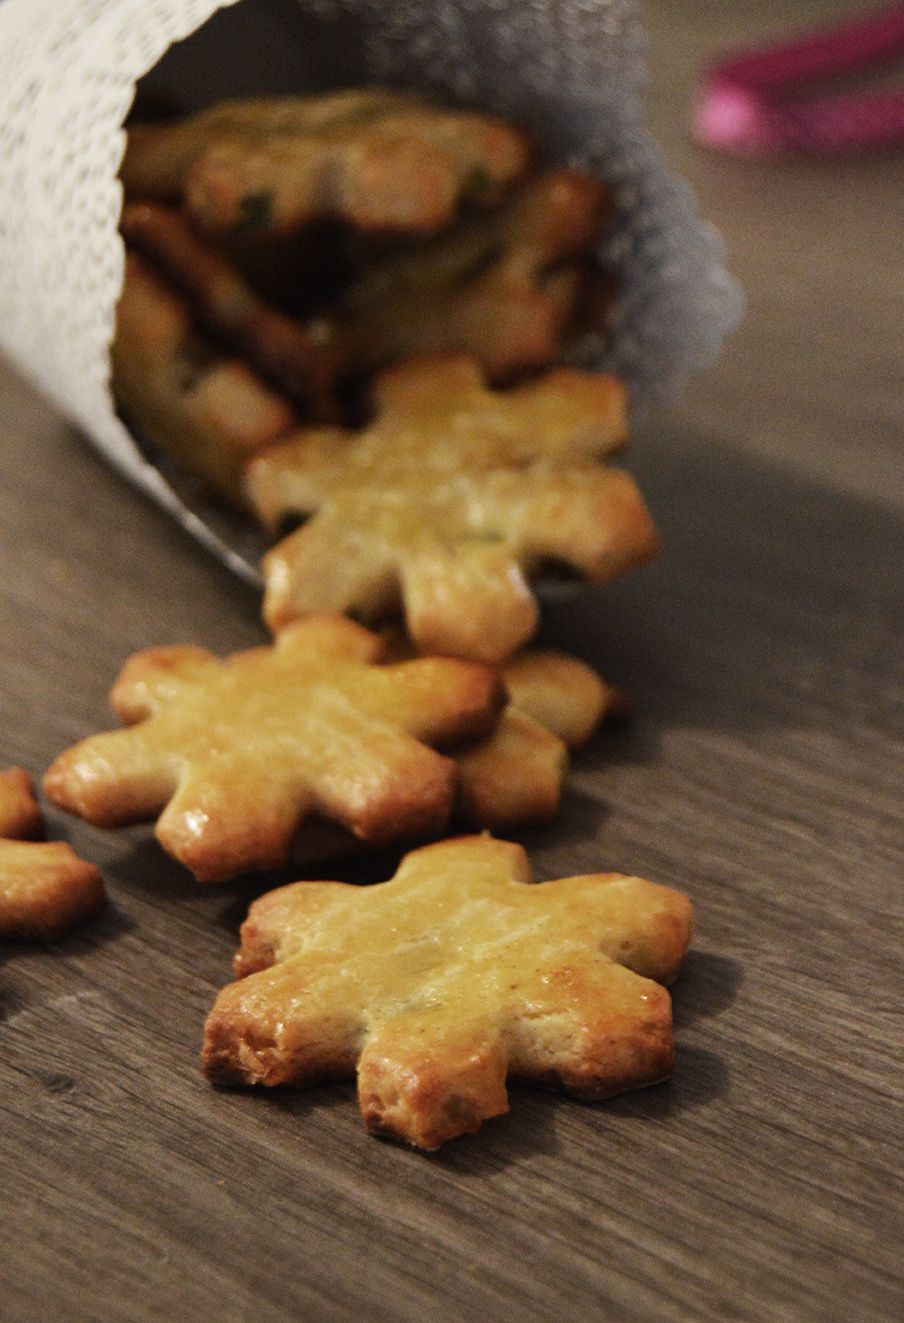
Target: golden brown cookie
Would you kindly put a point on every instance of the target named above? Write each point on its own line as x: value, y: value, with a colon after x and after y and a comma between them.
x: 45, y: 889
x: 562, y: 693
x: 20, y: 814
x: 378, y: 160
x: 405, y: 168
x: 277, y: 346
x: 449, y: 501
x: 505, y: 287
x: 439, y: 984
x: 514, y: 777
x: 207, y: 410
x: 159, y: 156
x: 238, y: 753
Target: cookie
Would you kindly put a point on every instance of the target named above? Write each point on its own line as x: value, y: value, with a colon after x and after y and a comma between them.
x: 234, y: 755
x: 505, y: 288
x: 45, y: 889
x: 159, y: 156
x: 20, y: 814
x: 406, y: 168
x: 439, y: 984
x: 207, y: 410
x: 375, y: 160
x: 514, y: 777
x: 277, y: 346
x: 563, y: 694
x: 448, y: 502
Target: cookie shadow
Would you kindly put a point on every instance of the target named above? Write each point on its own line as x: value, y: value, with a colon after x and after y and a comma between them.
x: 708, y: 984
x: 631, y: 739
x: 106, y: 927
x: 539, y: 1120
x: 297, y: 1103
x: 700, y: 1077
x: 756, y: 613
x: 580, y: 818
x: 528, y: 1128
x: 143, y: 867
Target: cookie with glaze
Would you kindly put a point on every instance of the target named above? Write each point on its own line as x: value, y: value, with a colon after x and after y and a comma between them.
x: 448, y: 503
x: 515, y: 776
x: 45, y: 888
x: 435, y: 987
x: 235, y: 755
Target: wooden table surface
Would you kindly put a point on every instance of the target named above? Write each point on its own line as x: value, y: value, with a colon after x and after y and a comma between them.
x: 762, y: 774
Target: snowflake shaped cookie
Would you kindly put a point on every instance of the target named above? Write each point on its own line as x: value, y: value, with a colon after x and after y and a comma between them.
x: 436, y: 986
x: 378, y: 160
x: 449, y: 501
x: 234, y: 755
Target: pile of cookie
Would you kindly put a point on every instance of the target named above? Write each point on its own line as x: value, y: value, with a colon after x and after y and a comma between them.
x: 341, y: 313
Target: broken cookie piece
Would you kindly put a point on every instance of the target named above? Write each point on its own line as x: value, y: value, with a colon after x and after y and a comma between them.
x: 436, y: 986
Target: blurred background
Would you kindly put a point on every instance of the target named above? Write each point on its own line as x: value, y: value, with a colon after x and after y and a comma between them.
x: 818, y: 244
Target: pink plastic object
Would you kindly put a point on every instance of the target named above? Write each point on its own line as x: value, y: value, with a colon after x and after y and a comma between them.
x: 755, y: 103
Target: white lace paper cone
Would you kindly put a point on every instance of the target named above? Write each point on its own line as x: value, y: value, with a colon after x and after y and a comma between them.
x: 571, y: 71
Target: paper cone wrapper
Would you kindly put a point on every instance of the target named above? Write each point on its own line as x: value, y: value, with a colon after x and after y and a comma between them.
x: 571, y: 71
